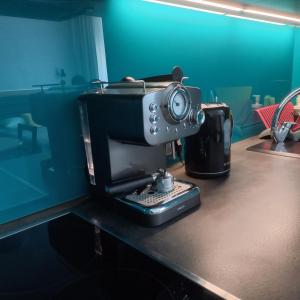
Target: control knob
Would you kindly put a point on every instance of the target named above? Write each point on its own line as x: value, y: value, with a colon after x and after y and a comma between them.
x: 153, y: 107
x: 154, y: 119
x: 196, y: 117
x: 154, y: 130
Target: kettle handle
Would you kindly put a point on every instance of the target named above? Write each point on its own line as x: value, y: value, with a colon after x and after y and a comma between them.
x: 232, y: 123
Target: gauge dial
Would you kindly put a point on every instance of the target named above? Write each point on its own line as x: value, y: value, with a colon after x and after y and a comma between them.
x: 179, y: 104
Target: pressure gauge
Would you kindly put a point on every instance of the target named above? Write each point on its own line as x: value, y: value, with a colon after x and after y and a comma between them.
x: 179, y: 104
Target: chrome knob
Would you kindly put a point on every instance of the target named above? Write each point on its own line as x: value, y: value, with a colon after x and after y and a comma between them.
x: 154, y: 130
x: 153, y: 107
x: 197, y: 117
x: 153, y: 119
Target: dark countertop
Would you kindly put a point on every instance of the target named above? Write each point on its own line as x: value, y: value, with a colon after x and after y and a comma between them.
x: 38, y: 218
x: 245, y: 238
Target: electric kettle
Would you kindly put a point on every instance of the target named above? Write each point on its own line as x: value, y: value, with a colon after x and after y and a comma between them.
x: 207, y: 154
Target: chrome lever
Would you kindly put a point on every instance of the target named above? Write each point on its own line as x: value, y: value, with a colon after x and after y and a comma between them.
x: 279, y: 133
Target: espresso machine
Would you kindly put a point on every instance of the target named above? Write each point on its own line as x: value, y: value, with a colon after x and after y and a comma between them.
x: 126, y: 126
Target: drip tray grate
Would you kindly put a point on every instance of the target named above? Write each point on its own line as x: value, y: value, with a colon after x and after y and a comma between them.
x: 148, y: 197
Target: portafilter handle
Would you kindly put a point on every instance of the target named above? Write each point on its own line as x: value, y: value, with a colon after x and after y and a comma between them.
x: 129, y: 186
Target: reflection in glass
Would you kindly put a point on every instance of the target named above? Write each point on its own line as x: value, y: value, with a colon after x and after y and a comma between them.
x: 46, y: 65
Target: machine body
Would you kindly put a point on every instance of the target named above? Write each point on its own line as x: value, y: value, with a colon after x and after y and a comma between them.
x: 126, y: 126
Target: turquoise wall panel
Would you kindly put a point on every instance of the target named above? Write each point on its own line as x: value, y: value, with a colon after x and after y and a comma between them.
x: 141, y: 39
x: 296, y: 62
x: 214, y: 51
x: 145, y: 38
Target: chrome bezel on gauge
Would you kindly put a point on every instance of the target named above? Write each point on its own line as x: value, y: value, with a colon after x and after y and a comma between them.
x: 174, y: 117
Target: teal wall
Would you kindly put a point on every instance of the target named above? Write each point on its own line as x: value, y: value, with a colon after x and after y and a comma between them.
x: 145, y: 38
x: 296, y: 61
x: 141, y: 39
x: 214, y: 51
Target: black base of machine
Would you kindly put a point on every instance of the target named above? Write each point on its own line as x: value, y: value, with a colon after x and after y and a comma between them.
x: 160, y: 214
x: 208, y: 175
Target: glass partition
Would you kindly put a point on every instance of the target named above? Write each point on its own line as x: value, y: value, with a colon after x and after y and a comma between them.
x: 48, y: 56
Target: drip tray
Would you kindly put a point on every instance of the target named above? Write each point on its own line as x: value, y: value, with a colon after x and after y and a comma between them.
x: 289, y: 148
x: 149, y: 198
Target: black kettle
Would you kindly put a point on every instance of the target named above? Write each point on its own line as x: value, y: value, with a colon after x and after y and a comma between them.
x: 207, y: 154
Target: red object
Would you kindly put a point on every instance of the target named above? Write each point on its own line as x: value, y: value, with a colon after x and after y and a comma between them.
x: 266, y: 114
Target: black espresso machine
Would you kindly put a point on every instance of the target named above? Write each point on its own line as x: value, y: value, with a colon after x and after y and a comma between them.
x: 126, y: 127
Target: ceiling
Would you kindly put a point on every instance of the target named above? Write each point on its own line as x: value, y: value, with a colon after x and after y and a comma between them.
x: 57, y: 10
x: 65, y: 9
x: 292, y: 6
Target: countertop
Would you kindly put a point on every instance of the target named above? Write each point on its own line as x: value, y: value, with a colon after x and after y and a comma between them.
x: 38, y: 218
x: 244, y: 240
